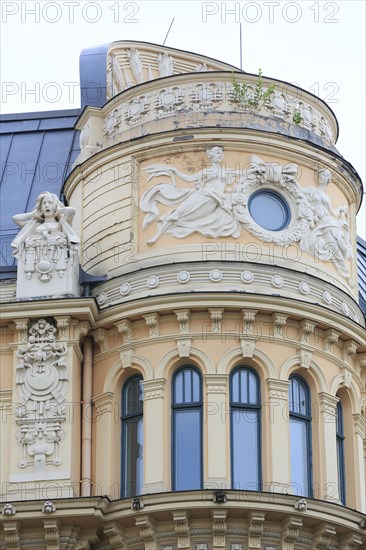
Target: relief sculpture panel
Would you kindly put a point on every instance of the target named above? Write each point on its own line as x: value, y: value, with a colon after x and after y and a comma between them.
x: 264, y: 198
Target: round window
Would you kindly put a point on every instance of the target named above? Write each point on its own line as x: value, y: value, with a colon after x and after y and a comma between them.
x: 269, y: 210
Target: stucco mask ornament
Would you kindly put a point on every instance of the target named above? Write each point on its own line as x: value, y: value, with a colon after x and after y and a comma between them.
x: 48, y: 507
x: 9, y: 510
x: 46, y: 248
x: 218, y: 205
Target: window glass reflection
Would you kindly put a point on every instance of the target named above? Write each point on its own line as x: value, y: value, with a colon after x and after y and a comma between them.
x: 132, y: 437
x: 300, y: 436
x: 245, y: 429
x: 187, y: 429
x: 340, y: 454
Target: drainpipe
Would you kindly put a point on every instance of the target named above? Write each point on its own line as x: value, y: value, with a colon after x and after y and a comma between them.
x: 86, y: 419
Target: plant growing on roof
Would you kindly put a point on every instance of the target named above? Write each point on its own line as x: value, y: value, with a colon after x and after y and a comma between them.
x: 252, y: 102
x: 297, y: 118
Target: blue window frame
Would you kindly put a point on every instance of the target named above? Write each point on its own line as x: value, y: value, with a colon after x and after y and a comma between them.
x: 269, y: 210
x: 187, y: 429
x: 132, y: 437
x: 300, y: 436
x: 245, y: 415
x: 340, y: 454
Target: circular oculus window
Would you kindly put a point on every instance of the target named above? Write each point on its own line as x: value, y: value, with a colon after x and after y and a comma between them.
x: 269, y: 210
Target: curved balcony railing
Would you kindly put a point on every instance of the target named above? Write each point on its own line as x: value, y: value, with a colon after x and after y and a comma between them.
x: 208, y: 99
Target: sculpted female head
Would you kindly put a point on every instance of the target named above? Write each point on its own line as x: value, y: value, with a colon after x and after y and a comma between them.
x: 215, y: 153
x: 324, y: 176
x: 46, y: 205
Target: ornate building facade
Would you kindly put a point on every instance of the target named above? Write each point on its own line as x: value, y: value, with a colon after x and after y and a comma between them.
x: 183, y: 353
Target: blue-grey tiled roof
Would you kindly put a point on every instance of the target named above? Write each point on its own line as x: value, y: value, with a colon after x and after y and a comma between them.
x: 36, y: 152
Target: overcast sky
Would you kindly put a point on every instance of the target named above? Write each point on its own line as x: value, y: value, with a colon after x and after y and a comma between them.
x: 318, y: 45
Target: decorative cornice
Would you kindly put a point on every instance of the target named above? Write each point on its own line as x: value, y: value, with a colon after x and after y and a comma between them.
x: 125, y: 327
x: 248, y: 320
x: 328, y: 404
x: 216, y: 383
x: 322, y: 537
x: 349, y: 349
x: 183, y: 320
x: 256, y: 521
x: 63, y: 326
x: 52, y: 534
x: 154, y: 389
x: 359, y: 425
x: 146, y: 526
x: 97, y: 514
x: 216, y: 319
x: 219, y: 528
x: 184, y: 346
x: 100, y: 335
x: 232, y: 271
x: 103, y: 403
x: 306, y: 355
x: 248, y: 346
x: 126, y: 355
x: 11, y: 535
x: 331, y: 337
x: 21, y: 329
x: 279, y: 321
x: 278, y: 389
x: 307, y: 327
x: 152, y: 321
x: 116, y: 535
x: 182, y: 529
x: 291, y: 531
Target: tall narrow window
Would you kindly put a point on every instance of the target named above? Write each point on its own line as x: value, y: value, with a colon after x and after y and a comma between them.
x: 340, y: 453
x: 245, y: 430
x: 132, y: 437
x: 300, y: 436
x: 187, y: 429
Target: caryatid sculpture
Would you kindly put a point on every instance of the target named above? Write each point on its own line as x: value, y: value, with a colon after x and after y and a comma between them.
x: 46, y: 248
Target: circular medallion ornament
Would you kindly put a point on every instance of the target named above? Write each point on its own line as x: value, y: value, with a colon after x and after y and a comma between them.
x: 215, y: 275
x: 168, y: 99
x: 304, y: 288
x: 44, y: 268
x: 183, y: 277
x: 247, y: 277
x: 327, y: 297
x: 152, y: 281
x: 277, y: 281
x: 101, y: 298
x: 125, y: 289
x: 135, y: 108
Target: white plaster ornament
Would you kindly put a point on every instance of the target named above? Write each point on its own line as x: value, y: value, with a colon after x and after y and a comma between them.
x: 218, y: 206
x: 46, y: 250
x: 41, y: 378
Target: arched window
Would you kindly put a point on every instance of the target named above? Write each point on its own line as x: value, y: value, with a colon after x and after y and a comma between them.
x: 245, y: 429
x: 300, y: 436
x: 340, y: 453
x: 187, y: 429
x: 132, y: 437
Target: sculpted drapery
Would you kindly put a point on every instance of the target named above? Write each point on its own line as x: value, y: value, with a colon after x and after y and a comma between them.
x: 217, y: 206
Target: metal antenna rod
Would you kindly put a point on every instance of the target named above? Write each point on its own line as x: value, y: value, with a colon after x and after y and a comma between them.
x: 168, y: 31
x: 241, y: 51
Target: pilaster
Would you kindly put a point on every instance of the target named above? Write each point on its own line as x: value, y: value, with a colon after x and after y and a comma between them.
x: 217, y: 426
x: 155, y: 437
x: 278, y: 422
